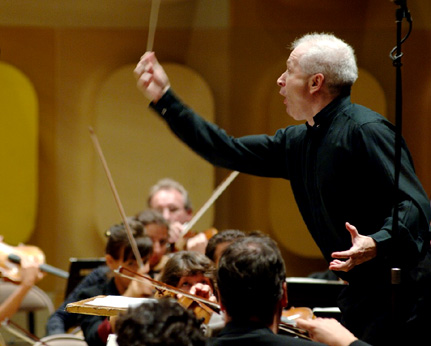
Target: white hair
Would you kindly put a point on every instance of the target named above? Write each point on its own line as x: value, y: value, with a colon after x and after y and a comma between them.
x: 332, y: 57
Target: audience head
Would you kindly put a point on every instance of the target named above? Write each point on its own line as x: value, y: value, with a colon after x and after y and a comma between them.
x: 251, y: 280
x: 171, y: 199
x: 159, y: 322
x: 218, y: 243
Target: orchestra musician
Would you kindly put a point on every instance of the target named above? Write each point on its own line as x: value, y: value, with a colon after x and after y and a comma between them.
x: 162, y: 322
x: 192, y: 272
x: 118, y: 253
x: 61, y: 321
x: 157, y: 228
x: 172, y: 200
x: 253, y: 292
x: 219, y: 242
x: 340, y: 166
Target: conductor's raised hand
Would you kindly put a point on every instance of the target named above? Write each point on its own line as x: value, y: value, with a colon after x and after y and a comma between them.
x: 363, y: 249
x: 151, y: 78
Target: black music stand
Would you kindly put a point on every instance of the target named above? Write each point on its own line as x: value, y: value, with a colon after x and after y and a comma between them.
x: 80, y: 268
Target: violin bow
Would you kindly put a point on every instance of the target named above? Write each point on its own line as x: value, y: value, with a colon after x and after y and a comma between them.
x: 21, y: 333
x: 216, y: 194
x: 117, y: 198
x: 165, y: 287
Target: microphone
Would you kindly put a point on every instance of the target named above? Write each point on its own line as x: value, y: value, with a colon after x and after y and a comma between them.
x: 43, y: 267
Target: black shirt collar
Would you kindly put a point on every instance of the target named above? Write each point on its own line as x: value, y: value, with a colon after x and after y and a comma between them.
x: 325, y: 116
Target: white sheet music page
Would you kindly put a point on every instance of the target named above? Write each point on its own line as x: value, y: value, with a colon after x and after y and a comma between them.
x: 118, y: 301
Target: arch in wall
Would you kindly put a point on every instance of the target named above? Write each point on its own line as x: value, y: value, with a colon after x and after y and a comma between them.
x: 19, y: 155
x: 140, y: 149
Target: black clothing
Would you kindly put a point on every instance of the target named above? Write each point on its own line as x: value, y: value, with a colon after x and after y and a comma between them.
x: 90, y: 323
x: 341, y: 170
x: 61, y: 320
x: 236, y: 335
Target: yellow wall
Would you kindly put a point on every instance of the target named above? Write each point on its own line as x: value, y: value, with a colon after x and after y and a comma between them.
x: 67, y: 49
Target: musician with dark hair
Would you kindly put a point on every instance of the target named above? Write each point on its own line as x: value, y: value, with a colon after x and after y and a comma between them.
x: 252, y: 291
x: 118, y: 253
x: 192, y: 272
x: 162, y: 322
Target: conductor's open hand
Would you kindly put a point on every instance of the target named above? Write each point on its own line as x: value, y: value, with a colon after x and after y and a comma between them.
x: 151, y: 78
x: 363, y: 249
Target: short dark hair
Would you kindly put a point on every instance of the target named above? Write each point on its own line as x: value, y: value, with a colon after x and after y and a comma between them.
x: 187, y: 263
x: 228, y: 235
x: 250, y: 279
x: 160, y: 322
x: 118, y: 240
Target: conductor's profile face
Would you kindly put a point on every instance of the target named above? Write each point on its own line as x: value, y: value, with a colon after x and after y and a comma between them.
x: 294, y: 87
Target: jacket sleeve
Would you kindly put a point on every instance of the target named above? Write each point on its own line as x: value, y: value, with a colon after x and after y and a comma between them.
x: 260, y: 155
x: 410, y: 240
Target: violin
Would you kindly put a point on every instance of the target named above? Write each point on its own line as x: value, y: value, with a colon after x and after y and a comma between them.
x: 201, y: 311
x: 293, y: 314
x: 202, y: 307
x: 288, y: 321
x: 10, y: 259
x: 181, y: 242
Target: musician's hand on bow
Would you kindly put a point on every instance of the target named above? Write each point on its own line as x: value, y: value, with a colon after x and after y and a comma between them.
x: 151, y: 78
x: 197, y: 243
x: 204, y: 291
x: 363, y: 249
x: 175, y: 231
x: 140, y: 288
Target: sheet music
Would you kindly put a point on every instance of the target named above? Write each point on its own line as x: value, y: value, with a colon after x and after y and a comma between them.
x: 118, y: 301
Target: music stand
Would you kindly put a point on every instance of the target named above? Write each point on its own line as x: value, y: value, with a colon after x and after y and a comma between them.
x: 80, y: 268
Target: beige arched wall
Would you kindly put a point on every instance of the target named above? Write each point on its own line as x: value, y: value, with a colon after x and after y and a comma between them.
x: 19, y: 155
x: 139, y: 148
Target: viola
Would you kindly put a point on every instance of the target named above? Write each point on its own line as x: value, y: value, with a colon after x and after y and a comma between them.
x: 10, y: 259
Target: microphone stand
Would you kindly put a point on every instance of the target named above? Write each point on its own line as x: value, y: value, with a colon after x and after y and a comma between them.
x: 396, y: 55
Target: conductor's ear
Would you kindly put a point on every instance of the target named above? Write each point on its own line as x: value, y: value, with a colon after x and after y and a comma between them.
x: 316, y: 82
